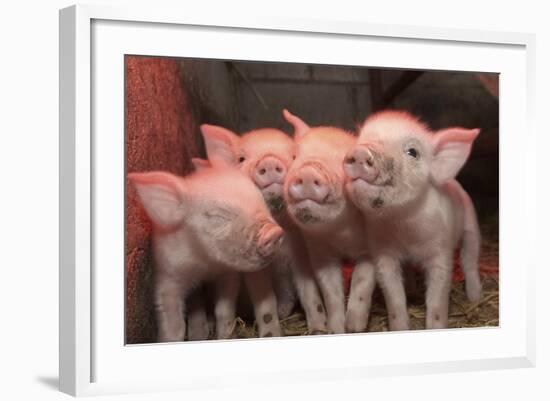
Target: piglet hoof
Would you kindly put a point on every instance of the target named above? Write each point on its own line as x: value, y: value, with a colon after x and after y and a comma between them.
x: 226, y: 330
x: 473, y: 289
x: 317, y: 327
x: 337, y: 327
x: 397, y: 323
x: 436, y: 320
x: 274, y: 332
x: 169, y: 338
x: 199, y: 333
x: 173, y: 334
x: 355, y: 323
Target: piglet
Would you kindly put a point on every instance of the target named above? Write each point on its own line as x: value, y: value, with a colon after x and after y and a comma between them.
x: 401, y: 176
x: 264, y: 155
x: 205, y: 226
x: 259, y: 287
x: 332, y: 226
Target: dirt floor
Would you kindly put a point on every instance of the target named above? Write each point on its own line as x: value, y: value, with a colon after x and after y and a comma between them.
x: 462, y: 312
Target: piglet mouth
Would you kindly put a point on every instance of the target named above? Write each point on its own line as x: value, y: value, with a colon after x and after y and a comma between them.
x: 376, y: 184
x: 361, y: 183
x: 306, y: 203
x: 308, y: 211
x: 272, y: 185
x: 315, y: 201
x: 273, y: 189
x: 371, y: 191
x: 270, y: 238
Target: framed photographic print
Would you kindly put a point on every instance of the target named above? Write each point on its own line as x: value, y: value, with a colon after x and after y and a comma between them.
x: 269, y: 198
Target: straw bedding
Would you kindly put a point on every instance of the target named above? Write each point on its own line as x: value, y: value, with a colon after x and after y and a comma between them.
x: 462, y: 313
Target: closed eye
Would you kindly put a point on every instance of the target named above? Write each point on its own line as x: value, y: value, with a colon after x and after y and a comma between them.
x: 220, y: 215
x: 217, y: 225
x: 217, y: 217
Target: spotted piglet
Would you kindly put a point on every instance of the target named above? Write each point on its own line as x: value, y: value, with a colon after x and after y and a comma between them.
x: 332, y: 226
x: 264, y: 155
x: 401, y: 176
x: 207, y: 225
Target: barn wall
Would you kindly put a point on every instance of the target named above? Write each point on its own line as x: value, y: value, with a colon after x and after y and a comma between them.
x: 319, y: 94
x: 161, y: 132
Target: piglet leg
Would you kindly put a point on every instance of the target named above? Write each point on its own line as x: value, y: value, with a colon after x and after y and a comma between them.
x: 169, y: 308
x: 388, y: 275
x: 311, y: 300
x: 362, y: 286
x: 227, y: 290
x: 438, y: 287
x: 285, y: 292
x: 197, y: 320
x: 306, y: 287
x: 469, y: 253
x: 328, y: 272
x: 263, y: 299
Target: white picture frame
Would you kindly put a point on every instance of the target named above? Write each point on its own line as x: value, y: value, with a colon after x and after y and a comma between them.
x: 93, y: 357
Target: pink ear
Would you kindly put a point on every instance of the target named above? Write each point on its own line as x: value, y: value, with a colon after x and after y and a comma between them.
x: 452, y: 147
x: 220, y: 144
x: 162, y: 196
x: 200, y: 164
x: 300, y: 127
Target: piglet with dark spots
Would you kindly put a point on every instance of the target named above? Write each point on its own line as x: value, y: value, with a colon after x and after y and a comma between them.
x: 400, y: 174
x: 332, y: 226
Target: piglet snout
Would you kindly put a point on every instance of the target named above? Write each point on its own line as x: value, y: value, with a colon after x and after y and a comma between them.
x: 270, y: 239
x: 308, y: 183
x: 359, y: 164
x: 269, y: 170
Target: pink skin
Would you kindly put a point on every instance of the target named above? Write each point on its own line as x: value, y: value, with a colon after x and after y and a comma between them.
x: 260, y: 290
x: 401, y: 176
x: 309, y: 184
x: 264, y: 155
x: 333, y: 228
x: 206, y: 225
x: 269, y: 174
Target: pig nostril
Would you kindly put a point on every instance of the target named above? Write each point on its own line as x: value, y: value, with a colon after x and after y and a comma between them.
x: 316, y: 183
x: 370, y: 162
x: 350, y: 160
x: 262, y: 171
x: 299, y: 181
x: 278, y: 169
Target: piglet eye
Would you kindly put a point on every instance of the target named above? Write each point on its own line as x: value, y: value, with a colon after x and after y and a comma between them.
x: 412, y: 152
x: 241, y: 159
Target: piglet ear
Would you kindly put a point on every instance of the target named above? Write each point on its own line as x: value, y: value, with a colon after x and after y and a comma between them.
x: 452, y: 147
x: 300, y: 127
x: 200, y: 164
x: 221, y: 144
x: 162, y: 196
